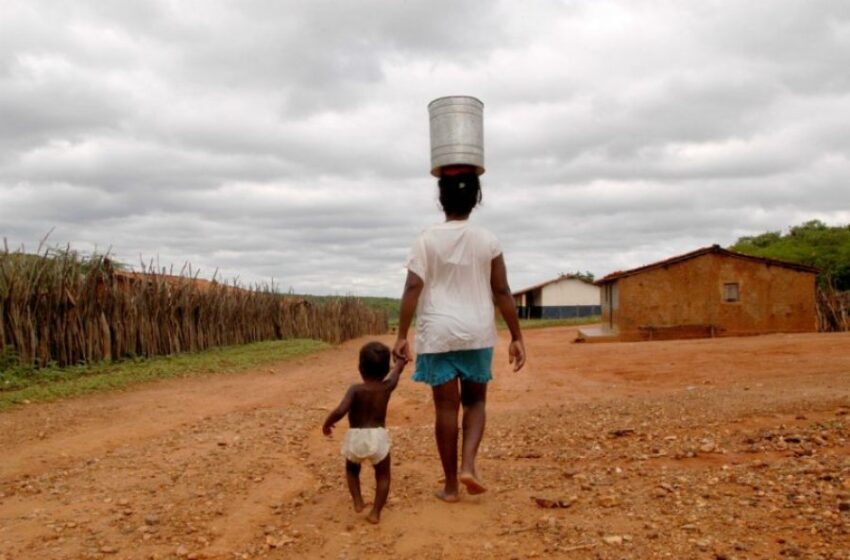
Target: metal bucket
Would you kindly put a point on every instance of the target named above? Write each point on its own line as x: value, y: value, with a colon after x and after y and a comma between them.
x: 457, y: 132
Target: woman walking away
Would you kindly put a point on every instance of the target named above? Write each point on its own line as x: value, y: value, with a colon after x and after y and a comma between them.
x: 456, y: 273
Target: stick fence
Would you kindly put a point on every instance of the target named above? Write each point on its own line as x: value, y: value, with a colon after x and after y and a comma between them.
x: 63, y: 309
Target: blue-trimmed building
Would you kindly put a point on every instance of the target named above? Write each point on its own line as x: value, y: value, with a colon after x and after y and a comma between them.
x: 564, y: 297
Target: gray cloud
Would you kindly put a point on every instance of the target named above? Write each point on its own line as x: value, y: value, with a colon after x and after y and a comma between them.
x: 289, y: 140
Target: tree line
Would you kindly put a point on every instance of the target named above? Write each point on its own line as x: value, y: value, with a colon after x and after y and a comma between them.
x: 813, y: 243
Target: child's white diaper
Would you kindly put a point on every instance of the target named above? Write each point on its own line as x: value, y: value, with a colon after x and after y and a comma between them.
x: 366, y: 444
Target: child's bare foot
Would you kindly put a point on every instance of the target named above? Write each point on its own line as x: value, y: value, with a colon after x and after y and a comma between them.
x: 359, y: 506
x: 447, y: 496
x: 374, y: 517
x: 473, y: 485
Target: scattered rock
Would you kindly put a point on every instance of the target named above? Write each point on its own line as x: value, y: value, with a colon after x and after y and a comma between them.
x: 609, y: 501
x: 621, y: 432
x: 552, y: 504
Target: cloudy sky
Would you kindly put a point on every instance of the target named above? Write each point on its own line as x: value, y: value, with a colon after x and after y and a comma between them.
x: 289, y: 140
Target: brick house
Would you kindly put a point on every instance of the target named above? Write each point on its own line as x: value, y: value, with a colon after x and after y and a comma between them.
x: 708, y: 292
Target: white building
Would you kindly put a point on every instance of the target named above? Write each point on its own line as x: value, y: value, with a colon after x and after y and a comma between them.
x: 564, y: 297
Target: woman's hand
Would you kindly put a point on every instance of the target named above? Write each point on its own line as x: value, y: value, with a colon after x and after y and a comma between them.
x: 516, y: 354
x: 401, y: 350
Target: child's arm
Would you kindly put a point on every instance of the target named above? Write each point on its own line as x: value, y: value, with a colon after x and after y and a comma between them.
x: 392, y: 379
x: 337, y: 413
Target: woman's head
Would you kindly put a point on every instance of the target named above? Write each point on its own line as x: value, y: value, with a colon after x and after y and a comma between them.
x: 459, y: 193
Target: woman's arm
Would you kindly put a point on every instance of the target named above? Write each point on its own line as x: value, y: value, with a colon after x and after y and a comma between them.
x: 412, y: 288
x: 504, y: 300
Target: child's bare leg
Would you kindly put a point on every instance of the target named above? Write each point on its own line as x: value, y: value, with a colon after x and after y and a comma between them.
x: 446, y: 405
x: 352, y: 475
x: 474, y: 397
x: 382, y: 489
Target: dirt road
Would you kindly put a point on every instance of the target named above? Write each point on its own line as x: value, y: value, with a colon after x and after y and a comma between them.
x: 727, y: 448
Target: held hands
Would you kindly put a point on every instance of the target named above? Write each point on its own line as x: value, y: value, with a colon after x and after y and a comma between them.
x: 516, y: 354
x: 401, y: 350
x: 400, y: 363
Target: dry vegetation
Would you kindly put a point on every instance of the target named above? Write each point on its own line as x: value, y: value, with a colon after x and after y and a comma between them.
x: 63, y: 309
x: 833, y: 310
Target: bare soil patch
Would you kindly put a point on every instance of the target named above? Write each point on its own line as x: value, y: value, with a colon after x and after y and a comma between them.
x: 723, y: 448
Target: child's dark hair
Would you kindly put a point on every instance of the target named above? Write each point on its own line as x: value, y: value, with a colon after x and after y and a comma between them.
x: 459, y: 194
x: 374, y: 360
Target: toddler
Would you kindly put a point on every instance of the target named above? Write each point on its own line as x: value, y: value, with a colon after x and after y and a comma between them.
x: 367, y: 438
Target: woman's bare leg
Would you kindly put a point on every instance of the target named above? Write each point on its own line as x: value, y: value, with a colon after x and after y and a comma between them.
x: 446, y: 406
x: 474, y: 397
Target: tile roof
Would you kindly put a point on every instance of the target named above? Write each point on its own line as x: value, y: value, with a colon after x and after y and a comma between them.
x: 714, y: 249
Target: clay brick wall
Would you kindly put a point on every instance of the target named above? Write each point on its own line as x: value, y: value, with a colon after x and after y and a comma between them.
x: 688, y: 297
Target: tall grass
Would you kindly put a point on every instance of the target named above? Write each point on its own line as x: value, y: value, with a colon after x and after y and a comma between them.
x: 59, y: 308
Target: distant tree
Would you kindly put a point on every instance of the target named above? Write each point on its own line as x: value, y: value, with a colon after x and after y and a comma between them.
x: 587, y: 276
x: 813, y: 243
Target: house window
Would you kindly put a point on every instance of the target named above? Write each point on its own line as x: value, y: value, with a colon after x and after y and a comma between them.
x: 731, y: 293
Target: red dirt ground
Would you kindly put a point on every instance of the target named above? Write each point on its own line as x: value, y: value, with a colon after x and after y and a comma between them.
x: 724, y: 448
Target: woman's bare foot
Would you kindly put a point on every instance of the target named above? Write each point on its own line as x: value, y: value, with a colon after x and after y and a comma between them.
x: 447, y: 497
x: 473, y: 485
x: 359, y: 506
x: 374, y: 517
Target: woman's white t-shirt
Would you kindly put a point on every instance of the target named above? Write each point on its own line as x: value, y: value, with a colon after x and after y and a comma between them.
x: 455, y: 310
